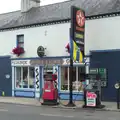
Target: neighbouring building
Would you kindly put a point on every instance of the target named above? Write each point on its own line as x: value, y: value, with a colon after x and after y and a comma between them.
x: 48, y: 26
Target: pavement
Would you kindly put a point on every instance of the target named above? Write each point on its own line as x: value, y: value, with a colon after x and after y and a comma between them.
x: 22, y: 112
x: 109, y: 106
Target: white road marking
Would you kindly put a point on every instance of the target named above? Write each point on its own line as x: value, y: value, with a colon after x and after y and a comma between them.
x: 52, y: 115
x: 3, y: 110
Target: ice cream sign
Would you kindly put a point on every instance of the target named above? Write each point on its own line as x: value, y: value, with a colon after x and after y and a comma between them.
x: 91, y: 99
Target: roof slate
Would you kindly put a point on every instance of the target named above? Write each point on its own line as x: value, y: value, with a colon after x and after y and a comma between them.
x: 56, y: 12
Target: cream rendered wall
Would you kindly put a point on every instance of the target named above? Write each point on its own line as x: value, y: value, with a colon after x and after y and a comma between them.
x: 102, y: 34
x: 53, y: 37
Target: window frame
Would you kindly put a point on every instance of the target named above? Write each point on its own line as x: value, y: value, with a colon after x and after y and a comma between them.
x: 17, y: 40
x: 77, y: 78
x: 22, y: 77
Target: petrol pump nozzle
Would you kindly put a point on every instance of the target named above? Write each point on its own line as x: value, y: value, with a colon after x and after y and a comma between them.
x: 54, y: 77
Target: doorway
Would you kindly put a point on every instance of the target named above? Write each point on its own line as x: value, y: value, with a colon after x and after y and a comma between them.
x: 5, y: 76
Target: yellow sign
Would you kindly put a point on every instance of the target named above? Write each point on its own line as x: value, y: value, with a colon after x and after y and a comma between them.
x: 77, y: 54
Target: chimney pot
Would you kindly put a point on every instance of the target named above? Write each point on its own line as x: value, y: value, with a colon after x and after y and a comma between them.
x: 26, y: 5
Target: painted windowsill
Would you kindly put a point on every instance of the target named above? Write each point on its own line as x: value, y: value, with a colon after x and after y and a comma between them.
x: 74, y: 92
x: 24, y: 89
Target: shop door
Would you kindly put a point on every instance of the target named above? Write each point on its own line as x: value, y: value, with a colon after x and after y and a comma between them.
x: 110, y: 61
x: 5, y: 76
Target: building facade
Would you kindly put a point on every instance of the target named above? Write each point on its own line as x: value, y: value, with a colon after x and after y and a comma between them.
x: 102, y: 43
x: 26, y: 71
x: 48, y: 26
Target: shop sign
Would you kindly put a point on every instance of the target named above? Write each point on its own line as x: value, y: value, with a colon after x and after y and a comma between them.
x: 103, y: 77
x: 20, y: 62
x: 91, y: 99
x: 46, y: 62
x: 93, y: 71
x: 78, y: 25
x: 67, y: 62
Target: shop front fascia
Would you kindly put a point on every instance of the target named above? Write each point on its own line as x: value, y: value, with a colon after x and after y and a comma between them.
x: 27, y: 75
x: 28, y: 81
x: 23, y: 77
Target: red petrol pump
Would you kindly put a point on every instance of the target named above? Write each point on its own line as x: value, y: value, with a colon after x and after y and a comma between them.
x: 50, y: 91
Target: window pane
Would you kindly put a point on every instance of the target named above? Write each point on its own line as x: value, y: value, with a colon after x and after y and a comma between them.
x: 48, y: 69
x: 74, y: 74
x: 18, y: 77
x: 21, y: 45
x: 31, y: 77
x: 81, y: 75
x: 20, y: 38
x: 25, y: 77
x: 75, y: 82
x: 64, y: 78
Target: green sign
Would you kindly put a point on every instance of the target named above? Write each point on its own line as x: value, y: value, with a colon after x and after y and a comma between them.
x: 102, y: 70
x: 103, y: 75
x: 93, y: 71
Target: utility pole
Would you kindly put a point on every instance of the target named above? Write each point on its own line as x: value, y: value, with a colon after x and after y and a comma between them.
x: 71, y: 104
x: 76, y: 30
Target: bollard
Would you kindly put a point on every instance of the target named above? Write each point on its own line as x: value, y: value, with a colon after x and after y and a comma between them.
x: 117, y: 87
x: 118, y: 100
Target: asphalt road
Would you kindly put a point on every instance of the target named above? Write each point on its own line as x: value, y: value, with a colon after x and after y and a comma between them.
x: 20, y: 112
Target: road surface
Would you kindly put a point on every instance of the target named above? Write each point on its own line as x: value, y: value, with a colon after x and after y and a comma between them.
x: 20, y: 112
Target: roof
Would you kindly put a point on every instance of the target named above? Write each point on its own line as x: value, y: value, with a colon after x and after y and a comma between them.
x: 57, y: 12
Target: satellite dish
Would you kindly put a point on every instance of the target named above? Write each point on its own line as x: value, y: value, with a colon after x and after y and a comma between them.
x: 41, y: 51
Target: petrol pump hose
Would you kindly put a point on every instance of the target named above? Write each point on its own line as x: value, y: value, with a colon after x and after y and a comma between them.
x: 73, y: 100
x: 59, y: 98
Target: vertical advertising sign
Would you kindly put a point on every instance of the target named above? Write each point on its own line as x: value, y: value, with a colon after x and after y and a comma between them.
x: 77, y: 32
x: 37, y: 82
x: 91, y: 99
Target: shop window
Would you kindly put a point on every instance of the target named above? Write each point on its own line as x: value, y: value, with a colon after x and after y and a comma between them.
x: 24, y: 77
x: 48, y: 69
x: 64, y: 78
x: 78, y: 78
x: 31, y: 77
x: 20, y: 41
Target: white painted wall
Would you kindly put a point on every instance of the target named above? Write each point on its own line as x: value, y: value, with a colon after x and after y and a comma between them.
x: 53, y: 37
x: 102, y: 34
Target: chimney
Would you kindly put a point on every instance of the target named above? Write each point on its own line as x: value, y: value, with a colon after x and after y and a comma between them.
x: 26, y: 5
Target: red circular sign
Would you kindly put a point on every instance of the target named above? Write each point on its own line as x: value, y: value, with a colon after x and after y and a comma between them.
x: 80, y: 18
x: 91, y: 95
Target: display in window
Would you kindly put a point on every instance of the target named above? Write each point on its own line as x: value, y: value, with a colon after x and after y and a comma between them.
x: 25, y: 77
x: 31, y: 77
x: 18, y: 77
x: 78, y: 78
x: 64, y: 78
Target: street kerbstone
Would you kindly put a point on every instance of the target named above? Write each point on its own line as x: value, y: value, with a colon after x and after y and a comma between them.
x: 110, y: 106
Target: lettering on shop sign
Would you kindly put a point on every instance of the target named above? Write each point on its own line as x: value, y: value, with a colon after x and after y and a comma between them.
x: 20, y: 62
x: 47, y: 62
x: 67, y: 62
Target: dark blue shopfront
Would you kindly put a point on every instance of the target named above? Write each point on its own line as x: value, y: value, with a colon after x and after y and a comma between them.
x: 111, y: 61
x: 5, y: 76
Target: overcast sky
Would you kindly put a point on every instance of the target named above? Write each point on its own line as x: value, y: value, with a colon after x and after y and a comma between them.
x: 13, y: 5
